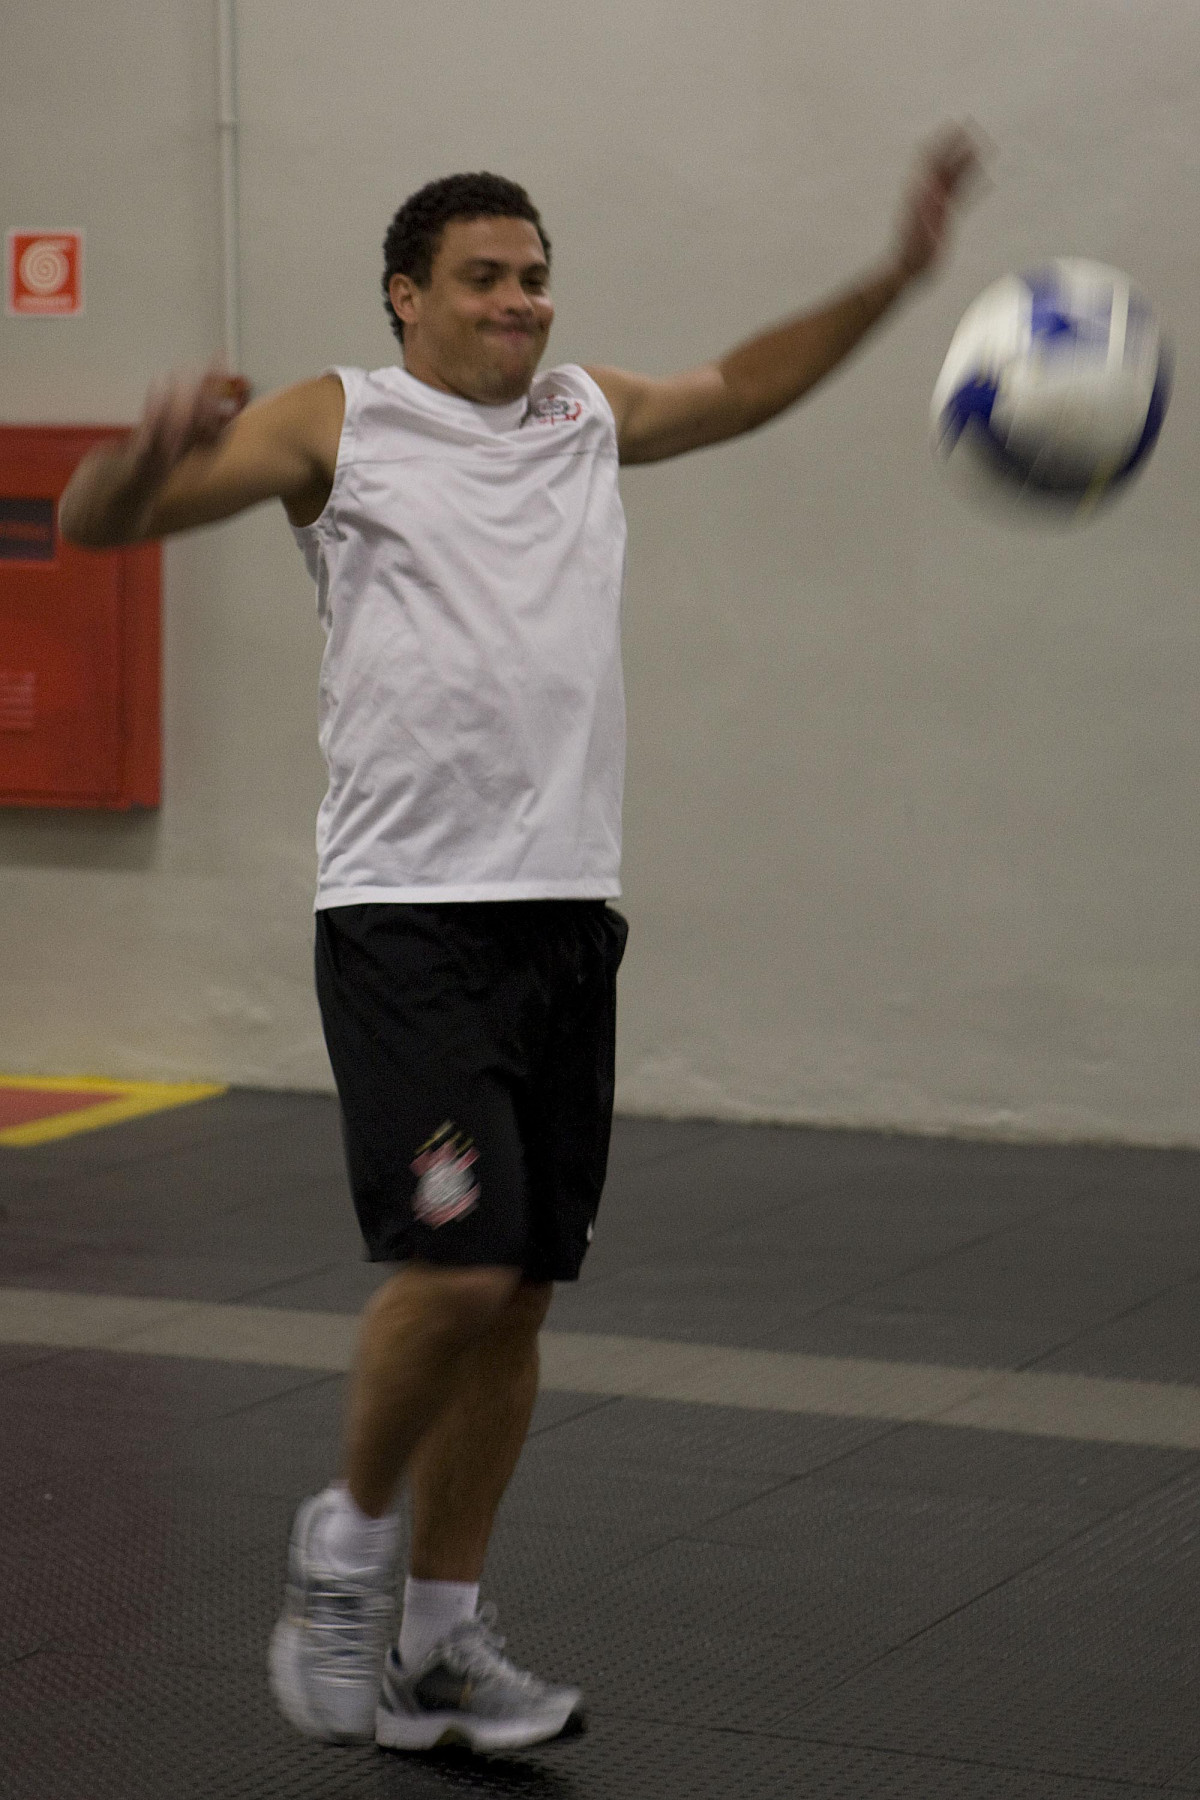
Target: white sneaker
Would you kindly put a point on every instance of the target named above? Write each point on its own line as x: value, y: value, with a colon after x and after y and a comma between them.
x: 467, y: 1692
x: 327, y: 1648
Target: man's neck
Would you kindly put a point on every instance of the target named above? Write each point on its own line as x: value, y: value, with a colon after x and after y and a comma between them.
x: 423, y: 371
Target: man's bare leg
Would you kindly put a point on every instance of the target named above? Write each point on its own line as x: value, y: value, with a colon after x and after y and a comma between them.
x: 443, y: 1387
x: 448, y: 1679
x: 462, y: 1464
x: 414, y: 1337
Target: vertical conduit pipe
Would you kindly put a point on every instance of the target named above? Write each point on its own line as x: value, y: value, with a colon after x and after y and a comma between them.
x: 227, y: 131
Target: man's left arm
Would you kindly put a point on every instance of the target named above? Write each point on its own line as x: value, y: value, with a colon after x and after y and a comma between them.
x: 770, y: 372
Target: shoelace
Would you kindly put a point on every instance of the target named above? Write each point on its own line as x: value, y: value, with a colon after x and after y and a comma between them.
x: 477, y: 1649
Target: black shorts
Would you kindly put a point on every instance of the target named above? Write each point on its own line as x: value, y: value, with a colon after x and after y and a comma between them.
x: 472, y: 1045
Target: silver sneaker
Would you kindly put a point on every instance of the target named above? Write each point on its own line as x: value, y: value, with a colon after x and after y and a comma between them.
x: 327, y: 1649
x: 468, y: 1692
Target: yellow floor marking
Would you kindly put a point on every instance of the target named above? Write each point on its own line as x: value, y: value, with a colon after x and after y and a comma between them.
x: 116, y: 1101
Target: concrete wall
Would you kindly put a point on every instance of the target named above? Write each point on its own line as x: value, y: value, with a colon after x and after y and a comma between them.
x: 911, y: 813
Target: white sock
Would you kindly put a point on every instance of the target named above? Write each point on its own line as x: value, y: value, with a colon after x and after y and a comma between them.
x: 431, y: 1611
x: 353, y: 1542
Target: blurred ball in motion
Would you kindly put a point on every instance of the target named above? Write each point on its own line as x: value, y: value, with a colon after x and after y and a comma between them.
x: 1054, y: 389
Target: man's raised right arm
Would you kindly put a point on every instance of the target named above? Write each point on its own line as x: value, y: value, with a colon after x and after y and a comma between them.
x: 199, y: 454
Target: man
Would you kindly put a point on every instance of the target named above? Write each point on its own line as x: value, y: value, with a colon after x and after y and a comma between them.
x: 461, y: 517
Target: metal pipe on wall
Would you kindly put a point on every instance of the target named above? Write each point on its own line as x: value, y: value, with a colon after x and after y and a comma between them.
x: 227, y: 131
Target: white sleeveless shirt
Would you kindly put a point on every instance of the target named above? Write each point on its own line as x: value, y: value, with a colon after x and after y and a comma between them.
x: 469, y: 567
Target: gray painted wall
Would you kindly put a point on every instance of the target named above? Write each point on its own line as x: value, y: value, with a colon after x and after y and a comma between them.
x: 910, y: 831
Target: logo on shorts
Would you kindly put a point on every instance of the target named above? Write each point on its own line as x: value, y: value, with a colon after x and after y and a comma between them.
x: 446, y: 1185
x: 554, y: 409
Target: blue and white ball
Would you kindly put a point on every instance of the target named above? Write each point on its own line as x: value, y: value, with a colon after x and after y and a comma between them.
x: 1054, y: 389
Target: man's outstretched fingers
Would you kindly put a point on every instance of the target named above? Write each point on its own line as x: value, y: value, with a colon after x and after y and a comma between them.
x: 949, y: 174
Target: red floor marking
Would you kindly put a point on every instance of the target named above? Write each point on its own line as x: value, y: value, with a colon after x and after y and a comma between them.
x: 21, y: 1106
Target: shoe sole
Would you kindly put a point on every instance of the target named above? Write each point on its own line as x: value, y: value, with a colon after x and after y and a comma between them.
x: 438, y: 1731
x: 284, y: 1668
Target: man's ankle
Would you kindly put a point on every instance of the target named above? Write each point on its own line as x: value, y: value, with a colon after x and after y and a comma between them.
x: 432, y: 1609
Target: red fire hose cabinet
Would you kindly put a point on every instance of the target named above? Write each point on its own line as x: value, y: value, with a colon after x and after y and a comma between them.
x: 80, y: 641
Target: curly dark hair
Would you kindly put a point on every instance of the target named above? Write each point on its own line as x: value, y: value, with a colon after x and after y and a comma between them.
x: 416, y: 231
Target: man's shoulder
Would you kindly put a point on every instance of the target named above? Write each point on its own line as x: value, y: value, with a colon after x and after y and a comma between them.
x: 565, y: 378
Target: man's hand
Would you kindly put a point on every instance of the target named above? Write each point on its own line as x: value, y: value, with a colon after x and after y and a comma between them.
x: 112, y: 494
x: 185, y: 413
x: 949, y: 169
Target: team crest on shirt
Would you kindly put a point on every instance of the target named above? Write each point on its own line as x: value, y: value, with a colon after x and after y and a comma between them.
x: 446, y: 1185
x: 553, y: 409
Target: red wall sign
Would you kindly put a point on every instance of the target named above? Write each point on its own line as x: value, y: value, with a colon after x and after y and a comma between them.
x: 45, y: 274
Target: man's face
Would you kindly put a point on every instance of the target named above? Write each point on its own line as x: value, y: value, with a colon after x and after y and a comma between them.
x: 479, y: 328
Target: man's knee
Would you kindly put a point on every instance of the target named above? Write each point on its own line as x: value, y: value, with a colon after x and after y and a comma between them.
x: 526, y: 1310
x: 459, y: 1304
